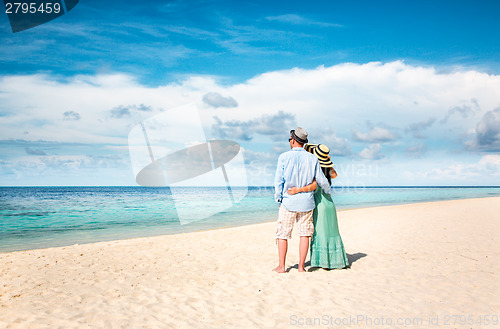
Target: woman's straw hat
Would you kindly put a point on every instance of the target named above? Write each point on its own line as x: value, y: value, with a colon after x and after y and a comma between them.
x: 322, y: 152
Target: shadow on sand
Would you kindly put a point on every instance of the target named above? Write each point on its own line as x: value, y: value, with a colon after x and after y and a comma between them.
x: 351, y: 257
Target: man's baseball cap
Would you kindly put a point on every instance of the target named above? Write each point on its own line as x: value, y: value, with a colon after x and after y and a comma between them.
x: 299, y: 134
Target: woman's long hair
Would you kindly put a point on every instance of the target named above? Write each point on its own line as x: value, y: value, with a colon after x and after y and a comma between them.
x: 326, y: 171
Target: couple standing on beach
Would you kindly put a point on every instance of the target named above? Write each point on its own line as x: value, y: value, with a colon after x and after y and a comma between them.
x: 303, y: 179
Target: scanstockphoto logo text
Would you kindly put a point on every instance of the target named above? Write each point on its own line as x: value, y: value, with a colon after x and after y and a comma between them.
x: 364, y: 320
x: 25, y: 15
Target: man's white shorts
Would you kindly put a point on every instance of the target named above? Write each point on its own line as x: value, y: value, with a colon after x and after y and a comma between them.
x: 286, y: 219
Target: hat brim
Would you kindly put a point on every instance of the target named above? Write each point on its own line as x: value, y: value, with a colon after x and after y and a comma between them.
x: 321, y: 152
x: 325, y: 162
x: 310, y: 147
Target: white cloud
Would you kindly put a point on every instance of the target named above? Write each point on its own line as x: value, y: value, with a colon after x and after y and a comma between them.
x: 71, y: 115
x: 417, y: 128
x: 339, y: 146
x: 375, y: 135
x: 337, y: 97
x: 465, y: 110
x: 127, y: 111
x: 486, y: 136
x: 300, y: 20
x: 487, y: 166
x: 459, y: 170
x: 217, y: 100
x: 372, y: 152
x: 416, y: 150
x: 69, y: 162
x: 491, y: 163
x: 31, y: 151
x: 274, y: 126
x: 329, y: 102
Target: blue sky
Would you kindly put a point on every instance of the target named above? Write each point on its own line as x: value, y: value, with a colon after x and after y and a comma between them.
x: 408, y: 90
x: 159, y: 40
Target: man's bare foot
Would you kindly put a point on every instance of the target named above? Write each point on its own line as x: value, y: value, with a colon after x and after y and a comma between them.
x: 302, y: 269
x: 279, y: 269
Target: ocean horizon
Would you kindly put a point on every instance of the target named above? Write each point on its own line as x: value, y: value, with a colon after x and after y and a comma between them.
x: 33, y: 217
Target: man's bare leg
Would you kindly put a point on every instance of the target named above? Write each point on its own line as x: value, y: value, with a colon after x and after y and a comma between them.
x: 282, y: 249
x: 303, y: 249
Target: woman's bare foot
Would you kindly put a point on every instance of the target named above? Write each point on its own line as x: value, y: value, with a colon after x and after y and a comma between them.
x: 302, y: 269
x: 279, y: 269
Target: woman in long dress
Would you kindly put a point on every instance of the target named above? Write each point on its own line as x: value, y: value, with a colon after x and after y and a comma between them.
x: 326, y: 249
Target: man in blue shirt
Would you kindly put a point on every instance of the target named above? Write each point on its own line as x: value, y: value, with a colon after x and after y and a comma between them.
x: 296, y: 168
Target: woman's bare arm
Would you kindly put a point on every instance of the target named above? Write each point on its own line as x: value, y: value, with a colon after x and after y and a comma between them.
x: 333, y: 174
x: 308, y: 188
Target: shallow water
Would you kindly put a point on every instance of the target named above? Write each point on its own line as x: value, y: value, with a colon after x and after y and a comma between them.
x: 40, y: 217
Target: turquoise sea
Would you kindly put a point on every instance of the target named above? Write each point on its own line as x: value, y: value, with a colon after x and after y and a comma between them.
x: 41, y: 217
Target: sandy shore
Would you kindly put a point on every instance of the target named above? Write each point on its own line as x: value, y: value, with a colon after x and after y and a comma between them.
x: 421, y: 265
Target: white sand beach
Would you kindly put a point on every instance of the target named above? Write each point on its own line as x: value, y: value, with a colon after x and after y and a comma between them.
x: 426, y: 265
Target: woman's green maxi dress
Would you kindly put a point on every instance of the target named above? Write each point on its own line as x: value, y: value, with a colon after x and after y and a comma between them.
x: 327, y: 249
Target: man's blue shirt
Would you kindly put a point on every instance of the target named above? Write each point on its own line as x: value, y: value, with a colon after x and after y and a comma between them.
x: 298, y: 168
